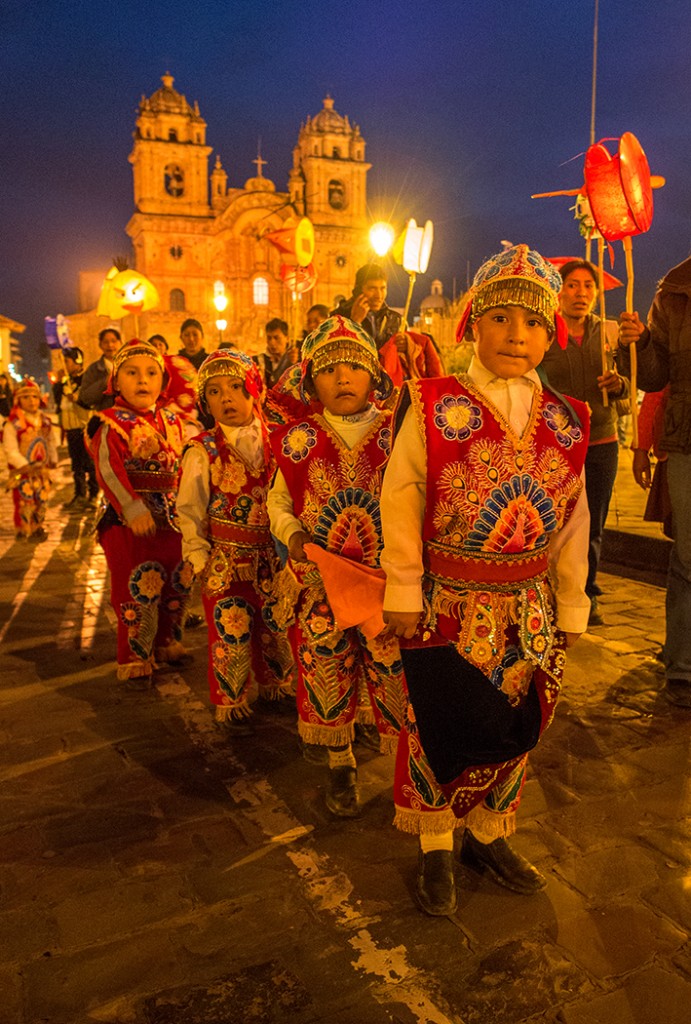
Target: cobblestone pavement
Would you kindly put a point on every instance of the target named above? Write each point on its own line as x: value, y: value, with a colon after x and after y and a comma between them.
x: 152, y: 871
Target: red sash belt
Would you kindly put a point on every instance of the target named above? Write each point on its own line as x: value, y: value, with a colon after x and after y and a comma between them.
x: 471, y: 572
x: 153, y: 480
x: 236, y: 533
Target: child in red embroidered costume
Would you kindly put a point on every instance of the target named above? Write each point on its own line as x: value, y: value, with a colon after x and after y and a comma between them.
x: 31, y: 454
x: 485, y: 550
x: 136, y: 446
x: 226, y: 538
x: 324, y: 506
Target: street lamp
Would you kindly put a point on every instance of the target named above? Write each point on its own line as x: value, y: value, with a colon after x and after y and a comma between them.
x: 221, y: 303
x: 381, y: 237
x: 417, y: 247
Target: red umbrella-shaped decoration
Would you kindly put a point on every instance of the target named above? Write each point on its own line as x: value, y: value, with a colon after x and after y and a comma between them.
x: 618, y: 189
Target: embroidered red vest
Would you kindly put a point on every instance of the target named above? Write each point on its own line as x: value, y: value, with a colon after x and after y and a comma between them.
x: 336, y: 489
x: 493, y: 501
x: 32, y: 441
x: 154, y: 446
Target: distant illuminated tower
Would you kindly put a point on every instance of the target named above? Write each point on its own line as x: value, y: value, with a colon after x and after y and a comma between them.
x: 328, y: 184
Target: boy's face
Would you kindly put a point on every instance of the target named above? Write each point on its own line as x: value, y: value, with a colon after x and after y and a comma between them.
x: 228, y: 401
x: 30, y: 402
x: 139, y: 381
x: 109, y: 344
x: 510, y: 340
x: 343, y: 389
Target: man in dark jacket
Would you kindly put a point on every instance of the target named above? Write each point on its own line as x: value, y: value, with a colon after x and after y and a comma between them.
x: 577, y: 371
x: 92, y: 390
x: 367, y: 305
x: 664, y: 357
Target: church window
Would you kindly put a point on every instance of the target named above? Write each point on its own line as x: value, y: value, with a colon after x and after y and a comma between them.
x: 316, y: 150
x: 260, y: 291
x: 176, y: 252
x: 336, y: 153
x: 174, y: 180
x: 172, y: 135
x: 337, y: 196
x: 341, y: 260
x: 177, y: 300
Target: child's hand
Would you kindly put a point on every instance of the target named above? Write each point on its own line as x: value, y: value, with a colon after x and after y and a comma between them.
x: 571, y: 638
x: 296, y: 546
x: 630, y: 329
x: 402, y: 623
x: 143, y: 525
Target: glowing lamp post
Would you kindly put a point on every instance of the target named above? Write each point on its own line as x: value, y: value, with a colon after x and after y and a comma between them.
x: 220, y: 302
x: 417, y: 248
x: 381, y: 237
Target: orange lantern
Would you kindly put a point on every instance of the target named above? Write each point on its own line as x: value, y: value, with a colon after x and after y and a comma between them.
x: 294, y: 241
x: 299, y: 279
x: 619, y: 188
x: 126, y: 291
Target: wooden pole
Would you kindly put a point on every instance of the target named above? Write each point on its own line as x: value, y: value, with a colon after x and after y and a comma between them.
x: 603, y: 326
x: 628, y: 255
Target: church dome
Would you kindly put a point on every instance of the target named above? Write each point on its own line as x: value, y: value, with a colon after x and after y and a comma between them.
x: 329, y: 120
x: 259, y: 184
x: 168, y: 100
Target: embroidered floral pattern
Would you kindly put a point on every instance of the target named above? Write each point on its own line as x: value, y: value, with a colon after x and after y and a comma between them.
x: 557, y: 419
x: 144, y: 442
x: 456, y: 417
x: 229, y: 477
x: 146, y: 582
x: 233, y: 619
x: 298, y: 441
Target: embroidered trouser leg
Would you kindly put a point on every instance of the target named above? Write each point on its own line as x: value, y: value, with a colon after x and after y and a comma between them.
x: 242, y: 649
x: 383, y: 683
x: 144, y: 572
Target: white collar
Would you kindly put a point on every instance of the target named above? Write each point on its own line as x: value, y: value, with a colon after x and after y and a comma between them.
x: 480, y: 375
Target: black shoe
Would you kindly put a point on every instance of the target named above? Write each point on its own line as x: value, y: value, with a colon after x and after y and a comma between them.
x: 502, y: 863
x: 237, y: 726
x: 342, y: 796
x: 75, y: 502
x: 595, y: 617
x: 435, y: 891
x: 193, y: 621
x: 38, y: 535
x: 368, y: 736
x: 678, y: 692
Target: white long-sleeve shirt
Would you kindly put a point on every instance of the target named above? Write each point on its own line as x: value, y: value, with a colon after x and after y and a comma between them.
x: 403, y: 509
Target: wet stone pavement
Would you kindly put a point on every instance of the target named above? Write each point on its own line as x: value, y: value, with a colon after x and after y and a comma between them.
x: 152, y: 871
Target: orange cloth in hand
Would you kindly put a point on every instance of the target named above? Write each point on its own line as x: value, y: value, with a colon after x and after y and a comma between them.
x: 354, y: 591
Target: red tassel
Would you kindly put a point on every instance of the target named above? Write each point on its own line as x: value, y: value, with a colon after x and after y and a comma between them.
x: 463, y: 323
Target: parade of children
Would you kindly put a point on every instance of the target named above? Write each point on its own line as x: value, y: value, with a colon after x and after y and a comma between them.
x: 136, y: 446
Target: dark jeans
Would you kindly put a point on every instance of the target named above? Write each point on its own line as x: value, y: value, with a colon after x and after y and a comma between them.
x: 82, y: 464
x: 600, y: 474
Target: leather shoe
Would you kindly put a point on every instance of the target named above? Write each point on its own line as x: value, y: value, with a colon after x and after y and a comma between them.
x: 678, y: 691
x: 595, y: 617
x: 502, y: 863
x: 313, y: 753
x: 436, y: 889
x: 342, y: 796
x: 368, y: 736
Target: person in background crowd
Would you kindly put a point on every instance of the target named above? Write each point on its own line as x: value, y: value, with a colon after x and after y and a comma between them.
x: 192, y: 338
x: 577, y: 371
x: 31, y: 452
x: 92, y: 391
x: 315, y: 315
x: 73, y: 419
x: 664, y: 358
x: 279, y: 355
x: 5, y: 397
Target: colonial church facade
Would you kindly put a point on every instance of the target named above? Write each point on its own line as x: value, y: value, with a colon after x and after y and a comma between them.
x: 190, y: 229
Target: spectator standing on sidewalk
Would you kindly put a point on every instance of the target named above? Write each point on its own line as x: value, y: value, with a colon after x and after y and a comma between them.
x: 73, y: 419
x: 664, y: 358
x: 576, y: 371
